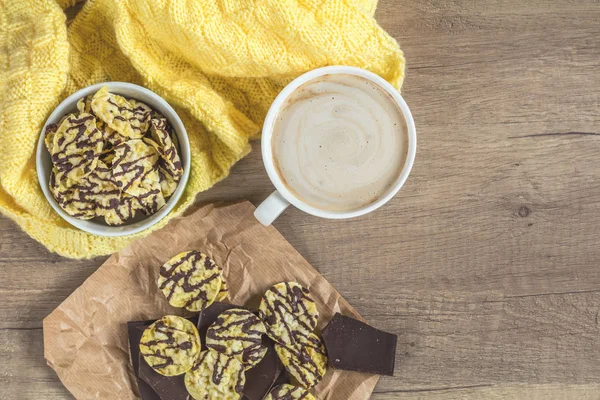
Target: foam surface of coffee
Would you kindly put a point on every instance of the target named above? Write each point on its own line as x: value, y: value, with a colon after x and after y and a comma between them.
x: 339, y: 142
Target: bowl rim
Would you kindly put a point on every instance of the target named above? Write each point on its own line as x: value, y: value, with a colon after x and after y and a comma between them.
x: 102, y: 229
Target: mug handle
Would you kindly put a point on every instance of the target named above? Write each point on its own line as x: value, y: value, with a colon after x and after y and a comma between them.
x: 271, y: 208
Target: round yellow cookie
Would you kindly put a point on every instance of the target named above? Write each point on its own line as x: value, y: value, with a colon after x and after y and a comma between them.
x: 88, y: 197
x: 168, y: 182
x: 286, y: 308
x: 76, y: 146
x: 289, y: 392
x: 238, y: 333
x: 118, y: 113
x: 160, y: 139
x: 135, y: 167
x: 71, y: 199
x: 216, y: 377
x: 306, y: 360
x: 170, y: 345
x: 190, y: 279
x: 142, y: 112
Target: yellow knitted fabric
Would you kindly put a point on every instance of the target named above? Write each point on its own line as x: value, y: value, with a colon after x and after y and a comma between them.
x: 219, y: 63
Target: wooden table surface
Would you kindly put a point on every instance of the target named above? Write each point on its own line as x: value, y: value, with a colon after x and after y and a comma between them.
x: 486, y: 264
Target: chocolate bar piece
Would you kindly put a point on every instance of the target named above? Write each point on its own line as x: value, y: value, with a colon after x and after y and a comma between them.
x: 167, y: 387
x: 355, y: 346
x: 135, y: 330
x: 262, y: 377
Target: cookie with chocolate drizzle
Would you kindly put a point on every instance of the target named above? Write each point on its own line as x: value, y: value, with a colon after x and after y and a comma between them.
x: 168, y: 181
x: 170, y: 168
x: 238, y: 333
x: 305, y: 360
x: 117, y: 210
x: 289, y: 392
x: 215, y: 376
x: 143, y: 112
x: 119, y: 114
x: 135, y: 167
x: 170, y: 345
x: 134, y: 170
x: 96, y: 195
x: 74, y: 146
x: 287, y: 308
x: 190, y: 279
x: 75, y: 200
x: 111, y: 137
x: 159, y: 138
x: 91, y: 196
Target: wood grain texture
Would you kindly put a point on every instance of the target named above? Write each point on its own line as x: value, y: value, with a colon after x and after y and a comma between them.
x: 485, y: 264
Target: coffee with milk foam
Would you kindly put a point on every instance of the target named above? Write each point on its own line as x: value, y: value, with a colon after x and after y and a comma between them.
x: 339, y: 142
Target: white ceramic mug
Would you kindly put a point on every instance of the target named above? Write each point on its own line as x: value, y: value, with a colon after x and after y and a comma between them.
x: 281, y: 198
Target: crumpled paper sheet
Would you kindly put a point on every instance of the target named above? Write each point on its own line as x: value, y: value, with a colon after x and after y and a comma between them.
x: 85, y: 338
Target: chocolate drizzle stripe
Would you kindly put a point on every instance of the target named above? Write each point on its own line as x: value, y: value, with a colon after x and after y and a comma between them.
x: 111, y: 102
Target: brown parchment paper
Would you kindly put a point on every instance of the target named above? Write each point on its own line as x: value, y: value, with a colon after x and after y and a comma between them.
x: 85, y: 338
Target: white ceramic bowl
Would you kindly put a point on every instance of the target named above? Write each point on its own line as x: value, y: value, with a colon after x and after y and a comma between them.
x: 97, y: 226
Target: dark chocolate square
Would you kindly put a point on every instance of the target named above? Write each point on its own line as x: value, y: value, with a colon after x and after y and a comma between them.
x: 262, y: 377
x: 355, y: 346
